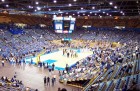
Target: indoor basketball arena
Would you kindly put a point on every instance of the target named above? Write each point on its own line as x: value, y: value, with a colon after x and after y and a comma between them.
x: 69, y: 45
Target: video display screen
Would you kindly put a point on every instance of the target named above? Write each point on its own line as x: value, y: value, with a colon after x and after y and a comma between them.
x: 64, y: 24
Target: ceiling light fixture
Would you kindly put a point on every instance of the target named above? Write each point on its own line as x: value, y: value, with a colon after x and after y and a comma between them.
x: 70, y: 5
x: 38, y: 8
x: 7, y: 5
x: 93, y: 7
x: 111, y: 3
x: 30, y: 7
x: 37, y: 3
x: 54, y: 1
x: 121, y: 12
x: 2, y: 0
x: 115, y: 7
x: 49, y: 9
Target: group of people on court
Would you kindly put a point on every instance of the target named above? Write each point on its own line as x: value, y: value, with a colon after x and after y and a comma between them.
x: 49, y: 81
x: 70, y: 53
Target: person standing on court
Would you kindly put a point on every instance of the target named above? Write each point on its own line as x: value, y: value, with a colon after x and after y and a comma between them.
x: 45, y: 79
x: 52, y: 81
x: 53, y: 67
x: 68, y: 54
x: 48, y: 81
x: 54, y: 76
x: 2, y: 63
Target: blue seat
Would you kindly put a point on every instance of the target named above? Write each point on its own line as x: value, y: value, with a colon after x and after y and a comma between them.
x: 101, y: 86
x: 139, y: 78
x: 139, y: 65
x: 117, y: 72
x: 109, y: 85
x: 127, y: 80
x: 108, y: 77
x: 118, y: 84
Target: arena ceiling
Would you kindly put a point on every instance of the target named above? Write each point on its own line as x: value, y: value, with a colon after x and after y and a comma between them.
x: 72, y: 7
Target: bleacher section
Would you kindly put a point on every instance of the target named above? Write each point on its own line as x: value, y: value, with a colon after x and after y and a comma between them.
x: 119, y: 81
x: 7, y: 84
x: 103, y: 79
x: 35, y: 39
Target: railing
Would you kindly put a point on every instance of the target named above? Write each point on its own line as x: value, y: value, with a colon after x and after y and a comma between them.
x: 91, y: 81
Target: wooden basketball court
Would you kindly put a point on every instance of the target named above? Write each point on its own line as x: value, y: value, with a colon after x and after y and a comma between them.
x: 61, y: 60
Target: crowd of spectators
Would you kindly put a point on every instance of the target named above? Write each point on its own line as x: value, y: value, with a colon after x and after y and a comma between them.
x: 29, y: 43
x: 12, y: 84
x: 106, y: 57
x: 100, y: 59
x: 33, y: 41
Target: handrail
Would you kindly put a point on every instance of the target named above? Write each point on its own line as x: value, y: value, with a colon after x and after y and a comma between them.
x: 90, y: 82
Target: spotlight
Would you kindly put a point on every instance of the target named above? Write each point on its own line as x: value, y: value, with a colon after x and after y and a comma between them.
x: 2, y: 0
x: 49, y: 9
x: 70, y: 5
x: 93, y: 7
x: 36, y: 2
x: 54, y: 1
x: 121, y: 12
x: 111, y: 3
x: 7, y: 5
x: 38, y: 8
x: 115, y: 7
